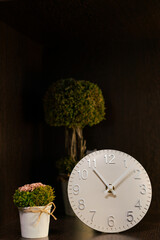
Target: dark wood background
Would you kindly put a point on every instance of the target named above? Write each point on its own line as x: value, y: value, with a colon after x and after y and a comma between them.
x: 116, y: 46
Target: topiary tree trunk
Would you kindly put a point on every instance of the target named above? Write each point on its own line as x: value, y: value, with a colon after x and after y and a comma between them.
x: 73, y: 104
x: 75, y: 145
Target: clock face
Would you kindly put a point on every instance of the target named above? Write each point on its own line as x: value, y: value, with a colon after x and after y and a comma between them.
x: 109, y: 191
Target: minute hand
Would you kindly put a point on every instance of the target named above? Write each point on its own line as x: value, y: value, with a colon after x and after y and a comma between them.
x: 121, y: 178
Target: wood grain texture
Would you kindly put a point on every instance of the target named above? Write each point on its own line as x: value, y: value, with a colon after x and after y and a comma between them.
x: 43, y: 20
x: 112, y: 43
x: 20, y: 64
x: 128, y: 74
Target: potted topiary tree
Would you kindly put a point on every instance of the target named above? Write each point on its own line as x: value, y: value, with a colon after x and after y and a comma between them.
x: 73, y: 104
x: 34, y: 202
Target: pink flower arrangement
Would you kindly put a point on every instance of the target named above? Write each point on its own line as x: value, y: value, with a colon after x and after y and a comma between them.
x: 30, y: 187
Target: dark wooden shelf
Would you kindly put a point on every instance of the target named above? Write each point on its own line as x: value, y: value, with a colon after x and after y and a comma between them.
x: 71, y: 228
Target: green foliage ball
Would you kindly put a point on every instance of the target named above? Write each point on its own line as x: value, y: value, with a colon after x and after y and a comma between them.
x: 65, y: 165
x: 74, y: 103
x: 40, y: 196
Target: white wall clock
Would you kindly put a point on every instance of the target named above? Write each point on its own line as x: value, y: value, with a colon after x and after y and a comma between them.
x: 109, y: 191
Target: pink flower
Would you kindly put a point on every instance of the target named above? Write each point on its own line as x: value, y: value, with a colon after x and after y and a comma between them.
x: 30, y: 187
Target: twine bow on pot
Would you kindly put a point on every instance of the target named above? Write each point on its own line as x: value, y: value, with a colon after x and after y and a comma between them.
x: 44, y: 210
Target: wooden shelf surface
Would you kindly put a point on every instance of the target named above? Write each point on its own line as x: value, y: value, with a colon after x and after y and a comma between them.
x: 71, y: 228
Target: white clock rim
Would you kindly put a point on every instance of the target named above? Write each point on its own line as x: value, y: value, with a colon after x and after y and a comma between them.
x: 97, y: 228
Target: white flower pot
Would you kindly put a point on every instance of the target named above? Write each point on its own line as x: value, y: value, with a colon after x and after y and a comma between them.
x: 34, y: 225
x: 45, y: 238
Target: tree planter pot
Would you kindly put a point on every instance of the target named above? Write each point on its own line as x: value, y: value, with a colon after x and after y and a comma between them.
x: 34, y: 222
x: 67, y: 206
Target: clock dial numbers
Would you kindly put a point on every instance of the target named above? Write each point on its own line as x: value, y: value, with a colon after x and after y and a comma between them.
x: 83, y: 174
x: 81, y: 204
x: 92, y: 163
x: 138, y: 205
x: 76, y: 189
x: 111, y: 221
x: 137, y: 174
x: 109, y: 158
x: 93, y: 212
x: 143, y: 189
x: 130, y: 217
x: 125, y: 163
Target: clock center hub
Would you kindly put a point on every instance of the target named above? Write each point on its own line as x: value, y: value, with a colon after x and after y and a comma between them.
x: 110, y: 187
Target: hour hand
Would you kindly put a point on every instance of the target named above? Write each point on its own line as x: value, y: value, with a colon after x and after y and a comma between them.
x: 109, y: 186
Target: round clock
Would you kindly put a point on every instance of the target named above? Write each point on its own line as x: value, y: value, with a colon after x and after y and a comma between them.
x: 109, y: 191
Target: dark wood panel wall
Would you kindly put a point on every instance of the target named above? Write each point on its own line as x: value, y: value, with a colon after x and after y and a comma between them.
x: 129, y: 75
x: 20, y: 125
